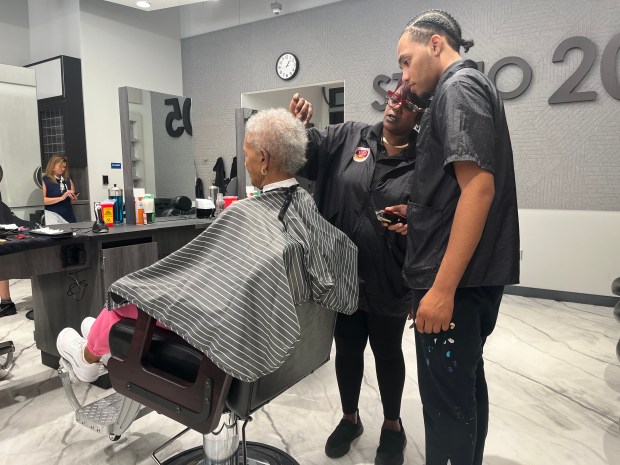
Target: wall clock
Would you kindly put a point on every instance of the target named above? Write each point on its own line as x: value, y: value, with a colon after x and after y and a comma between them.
x: 287, y: 66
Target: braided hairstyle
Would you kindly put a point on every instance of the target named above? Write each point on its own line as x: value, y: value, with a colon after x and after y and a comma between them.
x: 431, y: 22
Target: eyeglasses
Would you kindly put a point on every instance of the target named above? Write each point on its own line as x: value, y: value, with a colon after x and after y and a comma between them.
x: 394, y: 100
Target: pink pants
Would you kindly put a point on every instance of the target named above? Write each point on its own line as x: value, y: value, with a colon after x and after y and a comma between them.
x: 98, y: 343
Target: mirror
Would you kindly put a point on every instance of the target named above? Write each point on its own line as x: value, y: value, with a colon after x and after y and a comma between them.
x: 158, y: 157
x: 328, y: 103
x: 20, y: 152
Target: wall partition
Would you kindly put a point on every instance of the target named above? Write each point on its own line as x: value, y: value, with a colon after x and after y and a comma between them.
x: 556, y: 62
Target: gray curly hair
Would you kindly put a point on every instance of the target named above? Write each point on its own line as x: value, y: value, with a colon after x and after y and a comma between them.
x: 280, y: 134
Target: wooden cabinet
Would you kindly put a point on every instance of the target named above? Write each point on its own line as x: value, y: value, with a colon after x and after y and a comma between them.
x: 117, y: 262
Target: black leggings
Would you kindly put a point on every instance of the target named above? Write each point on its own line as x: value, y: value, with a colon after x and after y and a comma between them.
x: 385, y: 334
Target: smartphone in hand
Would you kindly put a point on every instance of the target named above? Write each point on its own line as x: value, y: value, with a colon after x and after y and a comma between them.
x: 390, y: 217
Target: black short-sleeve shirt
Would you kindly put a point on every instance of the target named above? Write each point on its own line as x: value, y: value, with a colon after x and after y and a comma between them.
x: 465, y: 122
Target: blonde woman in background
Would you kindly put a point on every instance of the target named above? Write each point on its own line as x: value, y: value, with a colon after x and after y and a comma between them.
x: 58, y: 189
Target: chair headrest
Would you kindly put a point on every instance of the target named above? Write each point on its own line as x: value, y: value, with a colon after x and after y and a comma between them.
x: 182, y: 203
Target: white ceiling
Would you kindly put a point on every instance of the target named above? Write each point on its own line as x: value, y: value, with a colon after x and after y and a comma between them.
x: 200, y: 16
x: 159, y: 4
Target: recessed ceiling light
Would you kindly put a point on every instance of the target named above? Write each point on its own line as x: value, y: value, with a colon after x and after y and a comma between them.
x: 143, y: 4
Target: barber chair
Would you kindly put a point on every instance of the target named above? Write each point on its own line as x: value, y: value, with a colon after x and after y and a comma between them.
x: 180, y: 205
x: 232, y: 188
x: 51, y: 218
x: 154, y: 369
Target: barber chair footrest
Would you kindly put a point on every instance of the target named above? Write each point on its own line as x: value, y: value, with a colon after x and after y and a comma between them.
x: 111, y: 415
x: 258, y: 454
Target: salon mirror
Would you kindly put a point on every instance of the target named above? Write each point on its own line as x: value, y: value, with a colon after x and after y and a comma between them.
x: 156, y: 134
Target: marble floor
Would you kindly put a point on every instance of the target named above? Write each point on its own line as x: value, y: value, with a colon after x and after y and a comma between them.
x: 553, y: 376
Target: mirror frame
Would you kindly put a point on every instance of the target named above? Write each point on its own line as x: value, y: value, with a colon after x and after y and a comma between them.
x: 123, y: 100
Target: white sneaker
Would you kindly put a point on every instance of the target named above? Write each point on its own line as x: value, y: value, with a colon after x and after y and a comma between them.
x: 87, y: 323
x: 70, y: 346
x: 85, y: 327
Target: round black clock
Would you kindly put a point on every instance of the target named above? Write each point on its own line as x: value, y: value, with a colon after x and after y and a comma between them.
x: 287, y: 66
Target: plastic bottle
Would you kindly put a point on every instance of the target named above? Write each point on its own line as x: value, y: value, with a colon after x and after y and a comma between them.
x: 116, y: 194
x: 149, y: 209
x: 107, y: 208
x: 219, y: 205
x: 139, y: 211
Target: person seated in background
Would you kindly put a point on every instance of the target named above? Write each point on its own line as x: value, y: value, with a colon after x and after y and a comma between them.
x: 7, y: 307
x: 232, y: 291
x: 58, y: 189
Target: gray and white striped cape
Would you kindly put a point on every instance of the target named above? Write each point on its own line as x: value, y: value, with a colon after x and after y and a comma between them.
x: 231, y: 292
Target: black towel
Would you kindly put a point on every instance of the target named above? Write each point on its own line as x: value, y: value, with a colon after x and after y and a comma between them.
x: 220, y: 174
x: 233, y: 168
x: 200, y: 190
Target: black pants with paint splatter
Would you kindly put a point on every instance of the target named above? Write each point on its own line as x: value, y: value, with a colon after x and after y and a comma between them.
x: 385, y: 334
x: 451, y: 378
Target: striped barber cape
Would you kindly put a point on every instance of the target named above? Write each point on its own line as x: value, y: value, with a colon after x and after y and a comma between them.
x: 232, y: 291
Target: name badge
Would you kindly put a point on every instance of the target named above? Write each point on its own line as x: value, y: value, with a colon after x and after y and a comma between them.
x: 361, y: 154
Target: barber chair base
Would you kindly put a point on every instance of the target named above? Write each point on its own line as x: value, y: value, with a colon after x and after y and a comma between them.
x: 258, y: 454
x: 7, y: 348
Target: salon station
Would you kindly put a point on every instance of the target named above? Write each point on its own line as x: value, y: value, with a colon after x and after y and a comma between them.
x: 183, y: 215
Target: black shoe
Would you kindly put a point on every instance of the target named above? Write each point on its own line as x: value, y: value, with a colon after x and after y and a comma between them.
x: 7, y: 308
x: 339, y: 442
x: 30, y: 314
x: 391, y: 450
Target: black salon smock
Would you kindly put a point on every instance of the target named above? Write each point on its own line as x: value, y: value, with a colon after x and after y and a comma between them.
x: 354, y: 178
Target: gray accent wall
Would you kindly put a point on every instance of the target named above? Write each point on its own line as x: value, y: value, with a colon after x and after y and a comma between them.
x: 566, y: 156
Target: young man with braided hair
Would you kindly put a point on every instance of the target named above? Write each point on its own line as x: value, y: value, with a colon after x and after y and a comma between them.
x: 463, y: 238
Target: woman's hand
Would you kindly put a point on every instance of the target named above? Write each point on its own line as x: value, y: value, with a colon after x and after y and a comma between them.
x: 401, y: 210
x: 300, y: 108
x: 70, y: 194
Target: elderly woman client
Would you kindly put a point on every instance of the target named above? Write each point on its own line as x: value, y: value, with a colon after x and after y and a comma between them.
x: 233, y: 295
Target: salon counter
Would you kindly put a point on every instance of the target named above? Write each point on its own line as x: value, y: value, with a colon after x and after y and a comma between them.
x: 70, y: 276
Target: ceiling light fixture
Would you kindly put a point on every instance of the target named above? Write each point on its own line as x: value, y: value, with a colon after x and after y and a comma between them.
x: 143, y: 4
x: 276, y: 7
